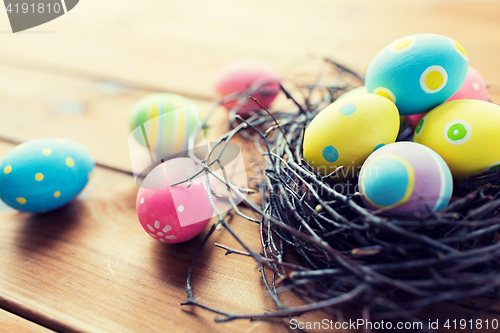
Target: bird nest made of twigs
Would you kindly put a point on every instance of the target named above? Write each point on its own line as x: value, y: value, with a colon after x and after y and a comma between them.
x: 374, y: 265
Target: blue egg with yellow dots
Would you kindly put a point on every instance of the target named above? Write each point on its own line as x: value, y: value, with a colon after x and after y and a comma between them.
x: 44, y: 174
x: 418, y: 72
x: 405, y: 177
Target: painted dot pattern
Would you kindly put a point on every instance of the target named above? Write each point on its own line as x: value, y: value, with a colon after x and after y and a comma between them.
x: 378, y: 146
x: 457, y: 132
x: 384, y: 92
x: 70, y: 162
x: 402, y: 45
x: 330, y: 154
x: 157, y: 232
x: 419, y: 127
x: 347, y: 109
x: 40, y: 180
x: 433, y: 79
x: 494, y: 166
x: 397, y: 190
x: 459, y: 48
x: 180, y: 208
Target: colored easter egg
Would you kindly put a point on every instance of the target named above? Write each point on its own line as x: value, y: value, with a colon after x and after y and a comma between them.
x: 363, y: 90
x: 418, y: 72
x: 44, y: 174
x: 352, y: 92
x: 414, y: 119
x: 405, y: 177
x: 466, y: 133
x: 236, y: 78
x: 347, y: 131
x: 474, y: 87
x: 163, y: 122
x: 174, y: 214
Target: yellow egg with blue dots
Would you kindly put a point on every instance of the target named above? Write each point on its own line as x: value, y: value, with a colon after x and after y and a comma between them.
x: 466, y: 133
x: 418, y: 72
x: 44, y: 174
x: 347, y: 131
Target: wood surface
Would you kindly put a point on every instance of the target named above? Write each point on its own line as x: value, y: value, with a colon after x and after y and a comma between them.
x: 89, y: 267
x: 12, y: 323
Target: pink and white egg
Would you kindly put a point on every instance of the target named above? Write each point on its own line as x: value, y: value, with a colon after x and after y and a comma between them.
x: 242, y: 77
x: 174, y: 214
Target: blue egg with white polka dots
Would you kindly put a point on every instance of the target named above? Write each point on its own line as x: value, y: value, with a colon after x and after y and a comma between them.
x: 44, y: 174
x: 418, y: 72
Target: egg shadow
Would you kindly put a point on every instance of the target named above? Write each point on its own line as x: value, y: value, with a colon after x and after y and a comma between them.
x: 174, y: 260
x: 180, y: 255
x: 45, y: 230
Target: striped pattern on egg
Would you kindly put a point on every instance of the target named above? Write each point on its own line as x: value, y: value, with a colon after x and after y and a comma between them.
x: 163, y: 122
x: 406, y: 177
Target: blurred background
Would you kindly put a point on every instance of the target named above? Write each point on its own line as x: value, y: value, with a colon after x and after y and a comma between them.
x: 78, y: 77
x: 102, y: 56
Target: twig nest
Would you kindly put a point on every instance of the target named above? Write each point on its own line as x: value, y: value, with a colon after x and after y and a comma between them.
x: 406, y: 177
x: 174, y: 214
x: 247, y: 77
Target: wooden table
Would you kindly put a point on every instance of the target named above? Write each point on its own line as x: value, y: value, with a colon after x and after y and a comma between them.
x: 89, y: 267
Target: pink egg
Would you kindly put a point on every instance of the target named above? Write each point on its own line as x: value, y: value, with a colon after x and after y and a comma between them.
x: 414, y: 119
x: 174, y: 214
x: 236, y: 77
x: 473, y: 87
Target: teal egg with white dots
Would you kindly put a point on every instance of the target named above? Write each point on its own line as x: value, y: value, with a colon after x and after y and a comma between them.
x: 418, y: 72
x: 406, y: 177
x: 44, y: 174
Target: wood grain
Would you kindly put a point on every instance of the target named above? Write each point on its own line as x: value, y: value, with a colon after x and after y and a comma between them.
x: 179, y: 46
x: 90, y: 267
x: 35, y: 104
x: 12, y: 323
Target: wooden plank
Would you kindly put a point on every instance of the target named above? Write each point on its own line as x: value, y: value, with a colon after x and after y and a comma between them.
x: 89, y: 267
x: 12, y: 323
x: 35, y: 104
x: 179, y: 46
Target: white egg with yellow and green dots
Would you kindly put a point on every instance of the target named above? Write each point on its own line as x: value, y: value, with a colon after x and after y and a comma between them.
x: 466, y: 133
x: 347, y: 131
x: 44, y: 174
x: 418, y: 72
